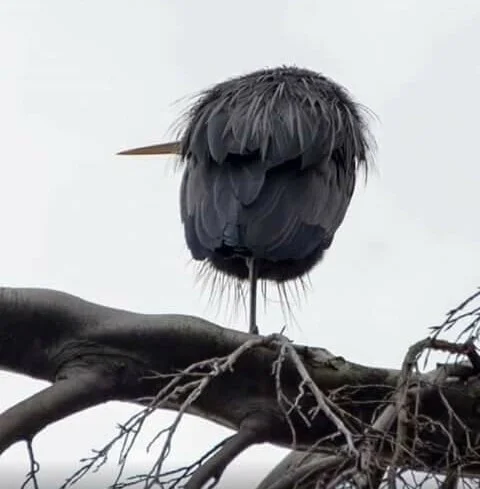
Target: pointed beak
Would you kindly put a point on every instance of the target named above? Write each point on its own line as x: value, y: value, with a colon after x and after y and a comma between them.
x: 172, y: 148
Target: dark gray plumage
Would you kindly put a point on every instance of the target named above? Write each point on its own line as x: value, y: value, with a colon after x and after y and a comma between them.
x: 270, y: 167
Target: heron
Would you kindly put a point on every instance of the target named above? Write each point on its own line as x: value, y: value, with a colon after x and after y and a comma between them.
x: 270, y: 162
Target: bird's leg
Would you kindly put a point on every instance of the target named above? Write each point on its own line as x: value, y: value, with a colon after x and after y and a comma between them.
x: 252, y: 279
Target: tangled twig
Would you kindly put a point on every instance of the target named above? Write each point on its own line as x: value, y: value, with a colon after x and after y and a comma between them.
x: 323, y: 403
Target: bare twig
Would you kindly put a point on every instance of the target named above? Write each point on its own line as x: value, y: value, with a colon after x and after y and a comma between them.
x: 453, y: 315
x: 323, y: 403
x: 203, y: 373
x: 404, y: 385
x: 343, y: 476
x: 218, y: 366
x: 34, y: 468
x: 284, y: 403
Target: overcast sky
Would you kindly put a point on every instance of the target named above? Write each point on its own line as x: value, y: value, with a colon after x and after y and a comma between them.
x: 82, y: 80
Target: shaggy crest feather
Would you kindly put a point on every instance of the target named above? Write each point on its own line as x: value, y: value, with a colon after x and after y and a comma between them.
x: 309, y: 105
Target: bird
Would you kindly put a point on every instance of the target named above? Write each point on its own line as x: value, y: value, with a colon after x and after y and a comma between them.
x: 270, y: 162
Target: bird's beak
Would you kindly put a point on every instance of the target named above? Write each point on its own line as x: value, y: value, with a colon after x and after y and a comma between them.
x: 172, y: 148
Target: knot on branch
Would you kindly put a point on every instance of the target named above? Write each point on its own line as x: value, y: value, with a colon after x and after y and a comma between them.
x: 124, y: 370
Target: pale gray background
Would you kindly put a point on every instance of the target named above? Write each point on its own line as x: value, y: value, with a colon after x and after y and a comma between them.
x: 82, y: 80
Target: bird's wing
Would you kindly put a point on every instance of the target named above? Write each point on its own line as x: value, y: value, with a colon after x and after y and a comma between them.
x: 296, y: 214
x: 329, y: 190
x: 209, y: 209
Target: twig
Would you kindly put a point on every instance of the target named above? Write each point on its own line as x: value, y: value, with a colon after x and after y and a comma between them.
x: 203, y: 372
x: 177, y: 475
x: 282, y: 399
x: 218, y: 366
x: 396, y: 408
x: 321, y: 399
x: 100, y: 457
x: 369, y: 480
x: 342, y: 477
x: 403, y: 386
x: 34, y: 468
x: 451, y: 319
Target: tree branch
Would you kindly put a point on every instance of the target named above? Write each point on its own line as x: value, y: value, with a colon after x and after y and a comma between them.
x: 24, y: 420
x: 94, y: 353
x: 34, y: 468
x: 253, y: 430
x: 302, y: 476
x: 451, y: 480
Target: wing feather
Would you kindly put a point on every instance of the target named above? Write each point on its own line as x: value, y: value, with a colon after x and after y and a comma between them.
x: 271, y: 164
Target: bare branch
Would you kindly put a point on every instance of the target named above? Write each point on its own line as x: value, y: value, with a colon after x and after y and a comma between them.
x: 24, y: 420
x: 34, y: 468
x: 301, y: 477
x: 332, y: 406
x: 252, y: 431
x: 322, y: 401
x: 451, y: 480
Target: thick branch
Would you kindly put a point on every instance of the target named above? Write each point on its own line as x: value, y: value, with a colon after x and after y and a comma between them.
x: 44, y: 334
x: 24, y: 420
x: 253, y: 430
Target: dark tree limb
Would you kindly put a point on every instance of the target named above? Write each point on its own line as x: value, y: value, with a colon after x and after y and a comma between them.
x: 299, y: 470
x: 451, y: 480
x: 253, y: 430
x: 27, y: 418
x: 303, y: 476
x: 93, y: 353
x: 45, y: 332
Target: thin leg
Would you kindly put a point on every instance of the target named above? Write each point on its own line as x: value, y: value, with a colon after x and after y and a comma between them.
x: 252, y: 278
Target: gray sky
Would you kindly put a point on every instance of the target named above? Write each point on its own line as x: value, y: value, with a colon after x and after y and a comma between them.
x: 81, y: 80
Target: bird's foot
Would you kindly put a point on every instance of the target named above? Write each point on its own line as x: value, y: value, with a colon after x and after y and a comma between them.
x: 254, y: 329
